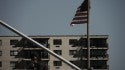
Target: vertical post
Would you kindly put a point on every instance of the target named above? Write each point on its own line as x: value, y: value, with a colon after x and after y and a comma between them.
x: 88, y: 38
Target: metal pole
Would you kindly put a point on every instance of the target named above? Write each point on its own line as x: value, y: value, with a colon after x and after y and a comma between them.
x: 35, y: 42
x: 88, y: 38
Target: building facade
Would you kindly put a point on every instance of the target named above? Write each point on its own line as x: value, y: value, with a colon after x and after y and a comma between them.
x: 17, y: 53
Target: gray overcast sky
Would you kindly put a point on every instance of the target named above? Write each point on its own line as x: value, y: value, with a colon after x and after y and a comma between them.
x: 52, y: 17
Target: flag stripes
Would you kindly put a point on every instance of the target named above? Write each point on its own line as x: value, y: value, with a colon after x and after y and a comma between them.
x: 81, y: 14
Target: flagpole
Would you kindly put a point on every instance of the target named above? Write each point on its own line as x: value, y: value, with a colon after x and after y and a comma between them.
x: 82, y: 16
x: 88, y: 38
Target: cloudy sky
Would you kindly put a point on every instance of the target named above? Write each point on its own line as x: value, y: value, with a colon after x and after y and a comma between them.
x: 52, y: 17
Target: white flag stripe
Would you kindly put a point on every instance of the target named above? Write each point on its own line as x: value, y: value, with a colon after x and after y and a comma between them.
x: 80, y: 16
x: 79, y: 20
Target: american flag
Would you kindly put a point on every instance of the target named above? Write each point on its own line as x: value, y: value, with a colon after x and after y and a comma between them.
x: 81, y: 15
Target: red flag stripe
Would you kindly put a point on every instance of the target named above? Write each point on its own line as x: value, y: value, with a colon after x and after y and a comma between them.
x: 80, y: 13
x: 79, y: 21
x: 79, y: 18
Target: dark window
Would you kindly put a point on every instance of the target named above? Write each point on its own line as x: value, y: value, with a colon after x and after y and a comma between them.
x: 0, y: 53
x: 57, y: 46
x: 98, y: 42
x: 78, y: 63
x: 59, y: 52
x: 0, y: 42
x: 72, y: 41
x: 13, y: 53
x: 98, y: 53
x: 82, y: 63
x: 102, y: 64
x: 57, y: 41
x: 72, y: 52
x: 13, y: 63
x: 57, y: 63
x: 44, y: 55
x: 0, y: 64
x: 74, y: 62
x: 13, y: 42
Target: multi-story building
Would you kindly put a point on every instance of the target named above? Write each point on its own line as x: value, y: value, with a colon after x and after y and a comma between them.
x: 17, y: 53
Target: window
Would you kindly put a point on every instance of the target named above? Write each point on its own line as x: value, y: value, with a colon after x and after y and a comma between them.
x: 13, y: 53
x: 72, y: 52
x: 81, y: 64
x: 13, y: 42
x: 57, y: 41
x: 0, y: 53
x: 75, y: 63
x: 44, y: 55
x: 0, y: 64
x: 59, y: 52
x: 57, y: 63
x: 13, y: 63
x: 57, y: 46
x: 0, y: 42
x: 72, y: 41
